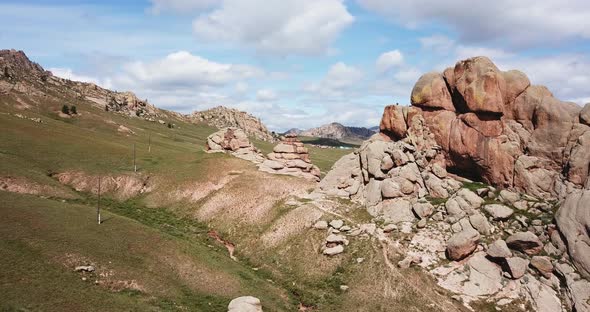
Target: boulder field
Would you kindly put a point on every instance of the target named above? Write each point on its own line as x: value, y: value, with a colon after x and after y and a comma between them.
x: 522, y: 234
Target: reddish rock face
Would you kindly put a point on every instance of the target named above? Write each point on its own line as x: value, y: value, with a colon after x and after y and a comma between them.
x: 394, y: 122
x: 495, y: 126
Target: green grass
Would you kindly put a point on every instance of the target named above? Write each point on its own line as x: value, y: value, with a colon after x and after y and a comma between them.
x: 134, y: 250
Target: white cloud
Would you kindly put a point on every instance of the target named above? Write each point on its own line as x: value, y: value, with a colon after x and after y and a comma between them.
x: 283, y: 27
x: 266, y: 95
x: 67, y: 73
x: 522, y: 22
x: 389, y: 60
x: 184, y: 70
x: 339, y: 79
x: 567, y: 76
x: 181, y: 6
x: 241, y: 87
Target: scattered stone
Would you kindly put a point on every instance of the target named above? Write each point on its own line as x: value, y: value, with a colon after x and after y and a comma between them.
x: 344, y: 287
x: 508, y: 196
x: 423, y: 210
x: 517, y: 267
x: 390, y: 228
x: 480, y: 223
x: 332, y: 251
x: 336, y: 239
x: 499, y: 212
x: 245, y: 304
x: 462, y: 244
x: 336, y: 224
x: 408, y: 261
x: 499, y: 249
x: 543, y: 265
x: 321, y: 225
x: 526, y: 242
x: 85, y: 268
x: 345, y: 228
x: 360, y: 260
x: 421, y: 224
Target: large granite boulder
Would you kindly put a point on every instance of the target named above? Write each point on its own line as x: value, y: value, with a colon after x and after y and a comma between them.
x: 573, y: 221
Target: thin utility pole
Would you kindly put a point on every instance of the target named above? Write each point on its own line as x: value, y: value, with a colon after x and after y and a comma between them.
x: 98, y: 202
x: 134, y: 163
x: 150, y: 143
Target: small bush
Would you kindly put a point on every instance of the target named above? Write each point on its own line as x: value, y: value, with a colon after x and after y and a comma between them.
x: 170, y: 125
x: 73, y: 110
x: 65, y: 109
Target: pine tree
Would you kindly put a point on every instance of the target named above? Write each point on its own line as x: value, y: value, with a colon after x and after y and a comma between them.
x: 65, y: 109
x: 74, y: 110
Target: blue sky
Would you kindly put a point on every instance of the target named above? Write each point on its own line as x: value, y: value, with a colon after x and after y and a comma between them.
x: 297, y: 63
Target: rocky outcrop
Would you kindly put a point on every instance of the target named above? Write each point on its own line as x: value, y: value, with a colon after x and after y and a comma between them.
x: 233, y: 141
x: 222, y: 117
x: 291, y: 157
x: 20, y: 76
x: 495, y: 126
x: 337, y: 131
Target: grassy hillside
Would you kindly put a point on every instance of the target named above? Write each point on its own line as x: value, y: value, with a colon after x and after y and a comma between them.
x: 154, y: 252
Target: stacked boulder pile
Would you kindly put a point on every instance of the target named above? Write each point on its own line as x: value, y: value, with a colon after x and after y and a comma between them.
x: 291, y: 157
x: 520, y: 237
x: 235, y: 142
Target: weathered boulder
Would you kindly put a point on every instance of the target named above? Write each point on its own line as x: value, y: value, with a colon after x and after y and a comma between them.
x: 499, y: 212
x: 245, y: 304
x: 573, y: 221
x: 517, y: 267
x: 462, y: 244
x: 394, y: 121
x: 499, y: 249
x: 526, y: 242
x: 431, y: 92
x: 543, y: 265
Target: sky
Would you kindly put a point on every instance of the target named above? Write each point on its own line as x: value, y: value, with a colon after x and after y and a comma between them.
x: 297, y: 63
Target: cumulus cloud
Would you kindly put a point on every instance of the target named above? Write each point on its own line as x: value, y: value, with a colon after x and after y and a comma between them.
x: 389, y: 60
x: 280, y: 27
x: 266, y: 95
x: 184, y: 70
x: 524, y: 22
x: 339, y: 79
x: 68, y: 73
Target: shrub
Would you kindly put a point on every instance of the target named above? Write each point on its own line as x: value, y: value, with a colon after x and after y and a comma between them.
x: 65, y: 109
x: 170, y: 125
x: 73, y: 110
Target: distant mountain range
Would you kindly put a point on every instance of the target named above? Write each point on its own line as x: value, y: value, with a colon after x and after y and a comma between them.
x: 337, y: 131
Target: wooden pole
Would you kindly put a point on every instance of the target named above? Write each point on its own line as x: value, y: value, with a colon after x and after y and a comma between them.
x: 98, y: 202
x: 134, y: 163
x: 150, y: 143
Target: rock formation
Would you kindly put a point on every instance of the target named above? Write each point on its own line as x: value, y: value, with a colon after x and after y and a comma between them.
x: 497, y: 127
x: 480, y: 123
x: 233, y: 141
x: 291, y: 157
x: 223, y: 117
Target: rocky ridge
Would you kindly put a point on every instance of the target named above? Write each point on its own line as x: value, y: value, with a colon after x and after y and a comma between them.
x: 222, y: 117
x: 26, y: 81
x: 338, y: 131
